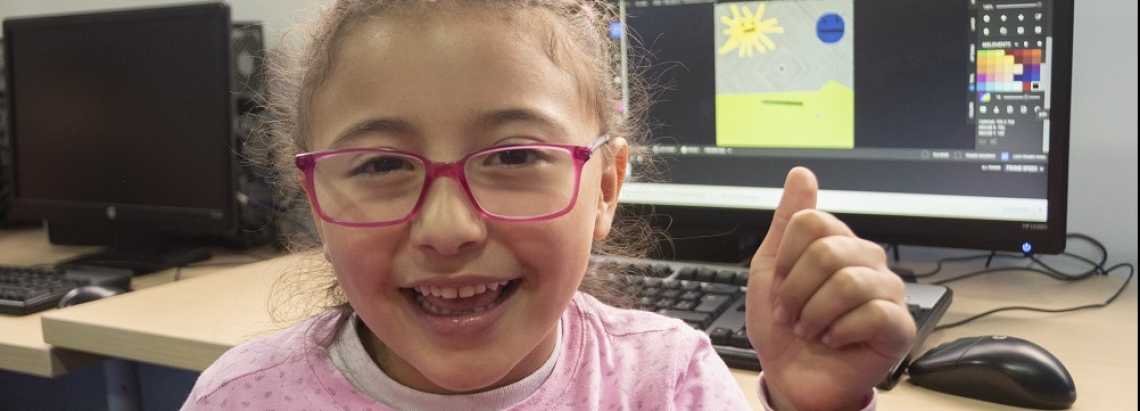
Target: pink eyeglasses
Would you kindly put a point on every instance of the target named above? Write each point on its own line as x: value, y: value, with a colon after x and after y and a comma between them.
x: 373, y: 187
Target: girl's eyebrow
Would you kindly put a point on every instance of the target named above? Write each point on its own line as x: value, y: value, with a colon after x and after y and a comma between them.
x: 487, y: 120
x: 493, y: 119
x: 381, y: 125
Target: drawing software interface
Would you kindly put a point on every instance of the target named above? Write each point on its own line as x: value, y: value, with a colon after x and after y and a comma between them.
x: 901, y: 107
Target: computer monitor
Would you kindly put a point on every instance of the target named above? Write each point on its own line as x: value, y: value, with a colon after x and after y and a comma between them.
x: 122, y: 129
x: 933, y: 123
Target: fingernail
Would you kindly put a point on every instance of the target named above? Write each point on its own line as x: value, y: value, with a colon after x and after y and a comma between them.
x: 781, y: 314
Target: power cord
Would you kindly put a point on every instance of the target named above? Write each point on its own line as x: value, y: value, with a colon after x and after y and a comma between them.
x: 1097, y: 267
x: 256, y: 258
x: 1131, y: 272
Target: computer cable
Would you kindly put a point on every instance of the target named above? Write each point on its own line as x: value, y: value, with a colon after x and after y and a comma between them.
x: 1097, y: 268
x: 1123, y: 286
x: 255, y: 257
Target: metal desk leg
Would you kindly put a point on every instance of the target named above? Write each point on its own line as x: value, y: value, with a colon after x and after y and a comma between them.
x: 122, y: 378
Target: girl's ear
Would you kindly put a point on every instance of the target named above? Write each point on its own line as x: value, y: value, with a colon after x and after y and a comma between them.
x: 612, y: 179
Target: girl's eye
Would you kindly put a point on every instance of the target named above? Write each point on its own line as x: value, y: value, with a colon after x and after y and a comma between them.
x: 515, y: 157
x: 382, y: 164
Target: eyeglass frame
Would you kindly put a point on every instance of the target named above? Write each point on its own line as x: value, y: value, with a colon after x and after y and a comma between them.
x: 306, y: 163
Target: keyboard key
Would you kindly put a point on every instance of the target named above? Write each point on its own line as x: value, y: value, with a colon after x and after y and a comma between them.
x: 720, y: 335
x: 685, y: 305
x: 725, y: 289
x: 705, y: 275
x: 725, y: 277
x: 713, y: 304
x: 739, y: 338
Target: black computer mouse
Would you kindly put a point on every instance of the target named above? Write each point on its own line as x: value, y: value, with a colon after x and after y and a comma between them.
x: 999, y: 369
x: 87, y: 293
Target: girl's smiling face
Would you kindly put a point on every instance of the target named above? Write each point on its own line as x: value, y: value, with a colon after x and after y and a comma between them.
x: 442, y: 86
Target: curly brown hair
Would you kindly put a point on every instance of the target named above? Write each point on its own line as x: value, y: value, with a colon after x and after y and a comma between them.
x: 578, y: 33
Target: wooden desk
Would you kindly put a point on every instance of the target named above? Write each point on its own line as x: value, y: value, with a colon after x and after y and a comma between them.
x: 1097, y: 346
x: 185, y: 324
x: 22, y: 346
x: 189, y: 323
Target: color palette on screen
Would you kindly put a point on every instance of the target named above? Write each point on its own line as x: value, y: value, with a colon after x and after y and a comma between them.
x: 1014, y: 70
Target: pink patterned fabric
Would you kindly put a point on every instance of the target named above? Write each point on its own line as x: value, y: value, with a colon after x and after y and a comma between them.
x: 611, y: 359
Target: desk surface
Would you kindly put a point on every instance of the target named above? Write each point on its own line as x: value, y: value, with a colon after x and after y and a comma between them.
x: 22, y: 346
x: 189, y: 323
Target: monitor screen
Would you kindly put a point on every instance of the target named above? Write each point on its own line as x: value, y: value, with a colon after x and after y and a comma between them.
x: 123, y: 119
x: 936, y: 123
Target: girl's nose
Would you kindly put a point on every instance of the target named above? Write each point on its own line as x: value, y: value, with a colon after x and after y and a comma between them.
x: 447, y: 223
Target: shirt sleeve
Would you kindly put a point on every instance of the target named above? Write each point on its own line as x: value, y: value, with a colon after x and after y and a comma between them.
x: 762, y: 392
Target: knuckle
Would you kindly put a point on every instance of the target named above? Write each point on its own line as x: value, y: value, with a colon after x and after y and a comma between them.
x: 833, y: 253
x: 826, y: 251
x: 809, y: 221
x: 848, y: 283
x: 876, y: 252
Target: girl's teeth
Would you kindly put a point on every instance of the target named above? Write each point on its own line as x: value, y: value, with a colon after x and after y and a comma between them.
x: 425, y: 291
x: 443, y: 311
x: 461, y: 292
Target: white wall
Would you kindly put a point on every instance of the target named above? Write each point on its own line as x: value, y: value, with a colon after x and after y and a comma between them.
x: 276, y: 14
x: 1102, y: 176
x: 1103, y: 179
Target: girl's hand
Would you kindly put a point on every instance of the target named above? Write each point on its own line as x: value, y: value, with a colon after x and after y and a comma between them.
x: 826, y: 316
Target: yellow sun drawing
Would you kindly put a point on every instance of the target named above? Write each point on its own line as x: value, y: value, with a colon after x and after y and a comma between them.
x: 749, y: 31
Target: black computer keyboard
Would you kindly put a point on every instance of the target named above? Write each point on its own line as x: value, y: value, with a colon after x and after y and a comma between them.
x: 26, y: 290
x: 710, y: 297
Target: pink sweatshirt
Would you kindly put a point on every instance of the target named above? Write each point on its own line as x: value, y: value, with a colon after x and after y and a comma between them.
x: 611, y: 359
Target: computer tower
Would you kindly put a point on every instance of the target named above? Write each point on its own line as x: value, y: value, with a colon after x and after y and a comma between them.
x: 258, y: 207
x: 265, y: 212
x: 5, y: 146
x: 247, y: 55
x: 7, y: 184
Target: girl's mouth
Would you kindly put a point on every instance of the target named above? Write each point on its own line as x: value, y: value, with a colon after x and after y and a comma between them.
x: 457, y: 301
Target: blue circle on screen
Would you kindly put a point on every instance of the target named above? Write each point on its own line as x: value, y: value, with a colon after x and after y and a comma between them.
x: 1026, y: 247
x: 830, y: 28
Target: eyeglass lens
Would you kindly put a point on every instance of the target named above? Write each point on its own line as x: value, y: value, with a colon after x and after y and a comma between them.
x: 509, y: 182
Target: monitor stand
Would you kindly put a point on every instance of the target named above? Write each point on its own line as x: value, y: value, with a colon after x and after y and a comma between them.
x: 140, y: 251
x: 138, y: 261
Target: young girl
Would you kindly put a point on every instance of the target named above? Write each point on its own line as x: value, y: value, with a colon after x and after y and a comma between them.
x: 462, y: 160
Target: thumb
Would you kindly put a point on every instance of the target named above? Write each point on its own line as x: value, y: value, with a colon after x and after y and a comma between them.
x: 800, y: 192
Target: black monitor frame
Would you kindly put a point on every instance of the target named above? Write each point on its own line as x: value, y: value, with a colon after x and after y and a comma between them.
x: 732, y: 233
x: 183, y: 105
